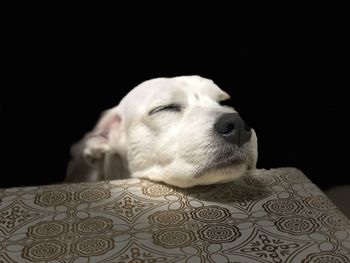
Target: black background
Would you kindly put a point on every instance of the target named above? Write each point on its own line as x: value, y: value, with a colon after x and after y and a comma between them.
x: 287, y: 72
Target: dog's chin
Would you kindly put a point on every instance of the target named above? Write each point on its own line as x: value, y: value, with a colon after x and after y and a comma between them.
x: 225, y: 159
x: 225, y: 164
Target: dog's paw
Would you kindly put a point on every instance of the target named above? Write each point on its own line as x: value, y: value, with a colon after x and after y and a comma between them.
x: 95, y: 150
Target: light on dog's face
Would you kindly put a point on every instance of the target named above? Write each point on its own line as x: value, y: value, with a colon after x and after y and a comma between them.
x: 188, y: 139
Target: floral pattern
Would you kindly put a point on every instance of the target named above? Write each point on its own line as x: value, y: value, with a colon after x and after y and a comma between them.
x: 326, y: 257
x: 219, y: 233
x: 283, y: 206
x: 269, y: 216
x: 174, y: 237
x: 297, y: 225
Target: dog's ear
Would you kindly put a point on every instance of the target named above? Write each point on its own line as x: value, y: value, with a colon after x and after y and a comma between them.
x: 109, y: 120
x: 89, y: 153
x: 98, y: 142
x: 223, y: 96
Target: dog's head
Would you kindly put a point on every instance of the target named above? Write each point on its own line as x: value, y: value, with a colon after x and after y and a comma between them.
x: 176, y: 131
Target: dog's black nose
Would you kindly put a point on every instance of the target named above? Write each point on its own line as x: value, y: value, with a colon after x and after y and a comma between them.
x: 233, y: 128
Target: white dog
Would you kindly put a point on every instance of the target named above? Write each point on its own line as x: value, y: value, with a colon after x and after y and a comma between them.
x: 171, y: 130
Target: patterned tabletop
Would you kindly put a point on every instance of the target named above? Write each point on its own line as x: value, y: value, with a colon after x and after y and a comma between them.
x: 273, y: 215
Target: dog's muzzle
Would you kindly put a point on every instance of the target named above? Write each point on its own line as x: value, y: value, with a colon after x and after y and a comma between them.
x: 233, y: 129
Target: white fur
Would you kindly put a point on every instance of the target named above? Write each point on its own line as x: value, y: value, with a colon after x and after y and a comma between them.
x: 165, y: 146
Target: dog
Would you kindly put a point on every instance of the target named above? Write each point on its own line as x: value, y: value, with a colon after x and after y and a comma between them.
x: 171, y: 130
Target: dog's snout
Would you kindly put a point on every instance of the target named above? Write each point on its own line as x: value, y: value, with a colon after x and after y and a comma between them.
x: 233, y: 129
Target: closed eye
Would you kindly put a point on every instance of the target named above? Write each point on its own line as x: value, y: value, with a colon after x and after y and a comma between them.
x: 170, y: 107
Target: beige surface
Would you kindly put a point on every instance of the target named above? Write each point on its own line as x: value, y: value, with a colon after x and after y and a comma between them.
x: 272, y: 216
